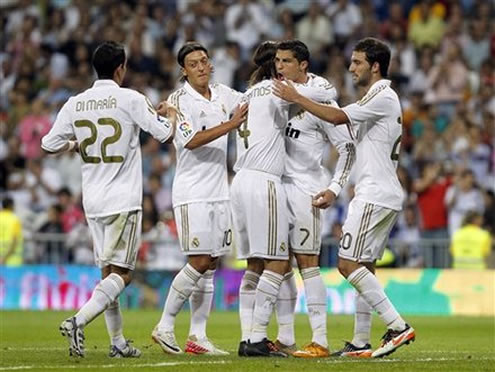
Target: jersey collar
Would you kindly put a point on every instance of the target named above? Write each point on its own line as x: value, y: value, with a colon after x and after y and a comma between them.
x: 105, y: 83
x: 198, y: 96
x: 378, y: 83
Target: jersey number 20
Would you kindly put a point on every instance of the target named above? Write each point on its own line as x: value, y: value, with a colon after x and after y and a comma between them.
x: 107, y: 141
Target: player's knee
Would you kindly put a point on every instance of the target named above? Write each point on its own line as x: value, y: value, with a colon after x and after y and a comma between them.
x: 124, y: 273
x: 306, y: 261
x: 213, y: 263
x: 255, y: 265
x: 345, y: 267
x: 277, y: 266
x: 200, y: 263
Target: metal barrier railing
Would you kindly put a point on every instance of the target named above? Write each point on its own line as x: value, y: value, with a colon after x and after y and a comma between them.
x: 55, y: 248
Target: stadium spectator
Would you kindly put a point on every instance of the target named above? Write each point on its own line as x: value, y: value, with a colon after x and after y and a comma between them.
x: 315, y: 30
x: 346, y: 19
x: 419, y: 80
x: 43, y: 182
x: 11, y: 239
x: 407, y: 239
x: 462, y: 196
x: 246, y: 23
x: 226, y: 60
x: 53, y: 250
x: 80, y: 244
x: 447, y: 82
x: 476, y: 45
x: 71, y: 213
x: 471, y: 244
x: 426, y: 25
x: 479, y: 154
x: 395, y: 18
x: 489, y: 216
x: 431, y: 188
x: 32, y: 128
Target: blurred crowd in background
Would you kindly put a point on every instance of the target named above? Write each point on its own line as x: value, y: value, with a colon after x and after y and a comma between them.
x: 442, y: 67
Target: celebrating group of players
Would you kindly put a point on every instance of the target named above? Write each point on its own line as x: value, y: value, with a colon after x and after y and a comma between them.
x: 283, y: 123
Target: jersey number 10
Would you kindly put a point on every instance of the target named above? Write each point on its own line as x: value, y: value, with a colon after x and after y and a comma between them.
x: 83, y: 147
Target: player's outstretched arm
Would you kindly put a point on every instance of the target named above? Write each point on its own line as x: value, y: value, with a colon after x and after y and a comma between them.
x: 206, y: 136
x: 170, y: 112
x: 288, y: 92
x: 68, y: 146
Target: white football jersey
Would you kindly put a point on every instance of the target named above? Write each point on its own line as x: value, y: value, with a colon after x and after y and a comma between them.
x: 260, y: 140
x: 306, y: 137
x: 105, y: 119
x: 376, y: 125
x: 201, y: 173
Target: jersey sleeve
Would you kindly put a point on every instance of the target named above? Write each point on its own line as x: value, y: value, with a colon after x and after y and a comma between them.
x: 185, y: 130
x: 316, y: 93
x: 341, y: 139
x: 322, y: 83
x: 144, y: 114
x: 232, y: 98
x: 61, y: 131
x: 367, y: 109
x: 321, y: 92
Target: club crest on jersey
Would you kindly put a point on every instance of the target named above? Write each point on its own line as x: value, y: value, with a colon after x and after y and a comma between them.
x: 185, y: 129
x: 195, y: 242
x: 283, y: 247
x: 300, y: 114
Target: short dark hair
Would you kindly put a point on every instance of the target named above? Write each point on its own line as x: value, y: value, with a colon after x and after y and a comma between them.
x: 297, y: 47
x: 64, y: 191
x: 263, y: 58
x: 107, y: 57
x: 376, y: 51
x: 187, y: 48
x: 470, y: 217
x: 8, y: 203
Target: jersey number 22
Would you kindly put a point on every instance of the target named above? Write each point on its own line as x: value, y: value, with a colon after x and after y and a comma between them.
x: 83, y: 147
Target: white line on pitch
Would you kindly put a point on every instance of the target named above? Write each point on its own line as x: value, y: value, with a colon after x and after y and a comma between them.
x: 152, y: 365
x: 418, y: 360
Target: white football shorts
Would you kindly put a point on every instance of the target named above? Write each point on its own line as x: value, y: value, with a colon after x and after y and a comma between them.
x: 116, y: 239
x: 204, y: 228
x: 259, y: 211
x: 366, y: 230
x: 304, y: 221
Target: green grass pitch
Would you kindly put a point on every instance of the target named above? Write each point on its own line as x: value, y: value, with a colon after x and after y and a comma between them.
x: 30, y: 341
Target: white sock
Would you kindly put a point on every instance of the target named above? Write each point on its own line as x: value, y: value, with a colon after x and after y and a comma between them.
x: 266, y: 297
x: 362, y: 322
x: 369, y: 287
x: 285, y: 308
x: 103, y: 295
x: 316, y: 298
x: 247, y: 292
x: 180, y: 290
x: 200, y: 302
x: 113, y: 320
